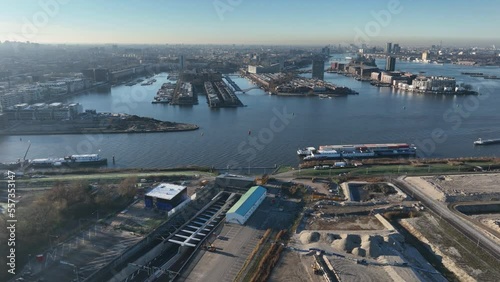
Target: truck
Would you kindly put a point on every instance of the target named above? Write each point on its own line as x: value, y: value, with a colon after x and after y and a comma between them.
x: 340, y: 164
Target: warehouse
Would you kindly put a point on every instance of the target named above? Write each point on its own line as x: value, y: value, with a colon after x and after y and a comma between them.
x: 227, y: 180
x: 165, y: 196
x: 246, y: 205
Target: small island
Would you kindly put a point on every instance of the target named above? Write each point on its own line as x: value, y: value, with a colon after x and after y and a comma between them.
x: 58, y: 118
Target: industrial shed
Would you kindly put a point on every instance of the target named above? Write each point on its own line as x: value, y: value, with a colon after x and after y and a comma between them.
x: 246, y: 205
x: 227, y: 180
x: 165, y: 196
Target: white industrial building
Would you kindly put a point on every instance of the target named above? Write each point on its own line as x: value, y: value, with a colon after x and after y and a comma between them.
x: 246, y: 205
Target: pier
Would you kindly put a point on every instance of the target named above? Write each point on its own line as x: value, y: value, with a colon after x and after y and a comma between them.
x: 220, y: 95
x: 232, y: 83
x: 184, y: 95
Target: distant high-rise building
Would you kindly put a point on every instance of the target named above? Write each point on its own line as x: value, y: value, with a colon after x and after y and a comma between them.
x: 388, y: 48
x: 326, y: 51
x: 390, y: 63
x: 282, y: 63
x: 425, y: 56
x: 318, y: 69
x: 396, y: 49
x: 181, y: 62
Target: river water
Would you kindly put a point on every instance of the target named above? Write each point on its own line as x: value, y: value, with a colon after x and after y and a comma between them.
x: 269, y: 129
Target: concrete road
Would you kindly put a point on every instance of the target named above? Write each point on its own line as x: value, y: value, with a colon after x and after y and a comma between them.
x: 442, y: 210
x: 231, y: 253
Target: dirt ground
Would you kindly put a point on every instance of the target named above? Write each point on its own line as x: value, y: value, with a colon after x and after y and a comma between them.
x: 319, y: 187
x: 384, y: 251
x: 294, y: 267
x: 430, y: 189
x: 344, y: 223
x: 463, y: 185
x: 490, y: 220
x: 459, y: 184
x: 453, y: 249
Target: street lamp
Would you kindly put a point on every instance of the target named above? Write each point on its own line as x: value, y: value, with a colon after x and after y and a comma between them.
x: 95, y: 225
x: 72, y: 265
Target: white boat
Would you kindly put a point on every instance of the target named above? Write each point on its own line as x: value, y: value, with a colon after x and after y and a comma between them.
x: 89, y: 159
x: 306, y: 151
x: 324, y: 154
x: 368, y: 150
x: 72, y: 160
x: 486, y: 141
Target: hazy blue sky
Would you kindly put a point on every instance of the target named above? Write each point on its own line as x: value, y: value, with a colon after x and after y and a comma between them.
x: 251, y: 21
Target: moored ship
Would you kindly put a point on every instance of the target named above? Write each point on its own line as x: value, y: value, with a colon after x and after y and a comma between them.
x: 85, y: 160
x: 486, y: 141
x: 71, y: 161
x: 306, y: 151
x: 362, y: 151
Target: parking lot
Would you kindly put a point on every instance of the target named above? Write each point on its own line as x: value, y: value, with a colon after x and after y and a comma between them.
x: 234, y: 242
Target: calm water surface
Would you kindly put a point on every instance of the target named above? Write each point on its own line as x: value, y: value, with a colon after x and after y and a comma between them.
x: 376, y: 115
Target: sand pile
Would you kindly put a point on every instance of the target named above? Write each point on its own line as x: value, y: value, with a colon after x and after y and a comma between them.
x: 359, y: 252
x: 363, y: 246
x: 330, y: 237
x: 372, y: 246
x: 347, y: 242
x: 309, y: 237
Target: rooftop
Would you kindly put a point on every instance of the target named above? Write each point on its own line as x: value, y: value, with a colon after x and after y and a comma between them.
x: 234, y: 176
x: 246, y: 202
x: 166, y: 191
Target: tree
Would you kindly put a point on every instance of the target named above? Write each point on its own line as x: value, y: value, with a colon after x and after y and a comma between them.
x: 127, y: 188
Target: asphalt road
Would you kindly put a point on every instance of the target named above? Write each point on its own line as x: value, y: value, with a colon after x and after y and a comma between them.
x: 442, y: 209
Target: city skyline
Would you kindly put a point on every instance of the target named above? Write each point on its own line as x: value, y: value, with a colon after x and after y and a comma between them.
x: 250, y: 22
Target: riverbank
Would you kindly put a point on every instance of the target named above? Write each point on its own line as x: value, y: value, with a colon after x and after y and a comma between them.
x: 101, y: 125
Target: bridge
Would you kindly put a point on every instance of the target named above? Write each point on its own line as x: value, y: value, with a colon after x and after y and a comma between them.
x: 236, y: 87
x: 248, y: 89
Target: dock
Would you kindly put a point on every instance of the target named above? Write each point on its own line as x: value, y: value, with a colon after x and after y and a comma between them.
x: 220, y: 95
x: 164, y: 94
x: 183, y: 95
x: 232, y: 83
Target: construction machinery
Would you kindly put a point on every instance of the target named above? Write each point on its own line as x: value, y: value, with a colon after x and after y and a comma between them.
x: 316, y: 269
x: 262, y: 180
x: 210, y: 247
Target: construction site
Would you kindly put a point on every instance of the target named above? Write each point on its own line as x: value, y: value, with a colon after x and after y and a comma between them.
x: 282, y: 228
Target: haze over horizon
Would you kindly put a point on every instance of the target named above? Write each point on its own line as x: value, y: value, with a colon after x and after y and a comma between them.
x: 251, y: 22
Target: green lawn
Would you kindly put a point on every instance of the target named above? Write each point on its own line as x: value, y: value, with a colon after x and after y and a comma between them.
x: 381, y: 170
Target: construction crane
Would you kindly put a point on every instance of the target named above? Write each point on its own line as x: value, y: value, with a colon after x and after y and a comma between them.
x: 21, y: 167
x: 25, y: 154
